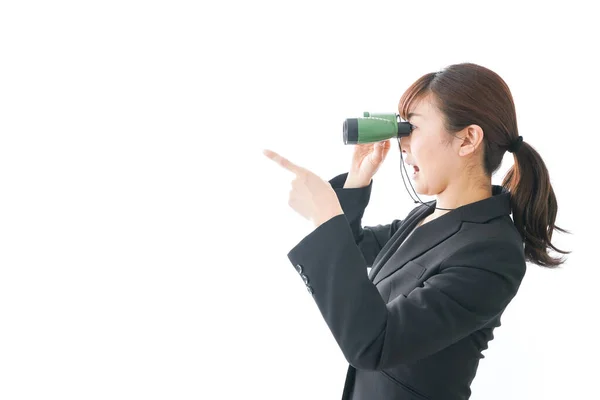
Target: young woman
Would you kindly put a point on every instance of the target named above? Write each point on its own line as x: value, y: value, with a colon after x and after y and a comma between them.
x: 416, y: 325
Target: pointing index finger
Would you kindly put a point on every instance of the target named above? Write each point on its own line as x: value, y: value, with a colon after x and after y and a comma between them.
x: 284, y: 162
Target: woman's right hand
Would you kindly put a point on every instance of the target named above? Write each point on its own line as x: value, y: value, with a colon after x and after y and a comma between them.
x: 367, y: 159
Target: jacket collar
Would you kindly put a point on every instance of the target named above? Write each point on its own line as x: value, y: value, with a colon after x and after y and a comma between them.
x: 390, y: 259
x: 487, y: 209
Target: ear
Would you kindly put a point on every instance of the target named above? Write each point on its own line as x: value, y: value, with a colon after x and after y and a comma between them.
x: 472, y: 139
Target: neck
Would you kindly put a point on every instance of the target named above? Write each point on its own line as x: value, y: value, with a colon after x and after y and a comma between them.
x: 459, y: 194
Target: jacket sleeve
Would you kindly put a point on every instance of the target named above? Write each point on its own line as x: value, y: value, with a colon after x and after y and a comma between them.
x: 370, y: 239
x: 473, y: 285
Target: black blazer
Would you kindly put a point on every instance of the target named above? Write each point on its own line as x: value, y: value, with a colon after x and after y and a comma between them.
x: 415, y: 327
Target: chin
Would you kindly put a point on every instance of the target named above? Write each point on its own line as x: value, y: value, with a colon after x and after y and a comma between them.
x: 419, y: 189
x: 424, y: 191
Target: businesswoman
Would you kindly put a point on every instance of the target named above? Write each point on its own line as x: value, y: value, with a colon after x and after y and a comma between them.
x: 415, y: 326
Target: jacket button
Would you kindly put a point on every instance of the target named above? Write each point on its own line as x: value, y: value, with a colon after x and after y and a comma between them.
x: 304, y: 278
x: 298, y: 268
x: 310, y: 289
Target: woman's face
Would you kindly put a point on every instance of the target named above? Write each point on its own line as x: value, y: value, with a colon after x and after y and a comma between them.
x: 428, y: 150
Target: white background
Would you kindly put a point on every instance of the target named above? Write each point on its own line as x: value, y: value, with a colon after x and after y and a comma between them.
x: 143, y: 234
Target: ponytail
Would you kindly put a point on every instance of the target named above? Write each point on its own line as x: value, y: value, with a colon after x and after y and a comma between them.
x: 533, y: 206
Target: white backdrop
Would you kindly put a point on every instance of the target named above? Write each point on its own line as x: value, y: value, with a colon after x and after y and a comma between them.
x: 143, y: 234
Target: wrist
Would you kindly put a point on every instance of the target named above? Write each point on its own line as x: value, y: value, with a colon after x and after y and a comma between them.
x: 322, y: 219
x: 354, y: 183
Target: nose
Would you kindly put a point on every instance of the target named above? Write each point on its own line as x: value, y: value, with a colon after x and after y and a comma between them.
x: 404, y: 144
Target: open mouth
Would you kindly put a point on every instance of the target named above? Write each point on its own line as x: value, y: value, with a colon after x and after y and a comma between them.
x: 415, y: 168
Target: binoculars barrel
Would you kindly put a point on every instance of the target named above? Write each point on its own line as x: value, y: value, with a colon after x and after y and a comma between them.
x: 374, y: 128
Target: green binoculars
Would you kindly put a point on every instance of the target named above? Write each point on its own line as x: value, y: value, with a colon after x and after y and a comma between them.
x: 374, y: 128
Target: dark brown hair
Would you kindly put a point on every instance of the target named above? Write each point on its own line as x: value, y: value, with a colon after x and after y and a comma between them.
x: 469, y: 94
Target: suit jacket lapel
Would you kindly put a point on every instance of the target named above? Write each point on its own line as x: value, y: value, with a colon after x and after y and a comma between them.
x: 404, y: 230
x: 400, y: 251
x: 423, y: 238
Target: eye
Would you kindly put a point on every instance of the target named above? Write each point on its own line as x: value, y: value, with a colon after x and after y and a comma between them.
x: 412, y: 127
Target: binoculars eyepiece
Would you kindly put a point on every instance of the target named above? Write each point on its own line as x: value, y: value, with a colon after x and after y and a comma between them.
x: 374, y: 128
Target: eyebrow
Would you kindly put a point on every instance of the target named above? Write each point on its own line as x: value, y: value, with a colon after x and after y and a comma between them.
x: 410, y: 115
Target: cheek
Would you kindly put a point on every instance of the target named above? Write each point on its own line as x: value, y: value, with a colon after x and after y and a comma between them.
x: 426, y: 156
x: 431, y: 160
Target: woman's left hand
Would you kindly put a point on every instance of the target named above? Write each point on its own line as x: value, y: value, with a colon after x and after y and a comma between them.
x: 310, y: 196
